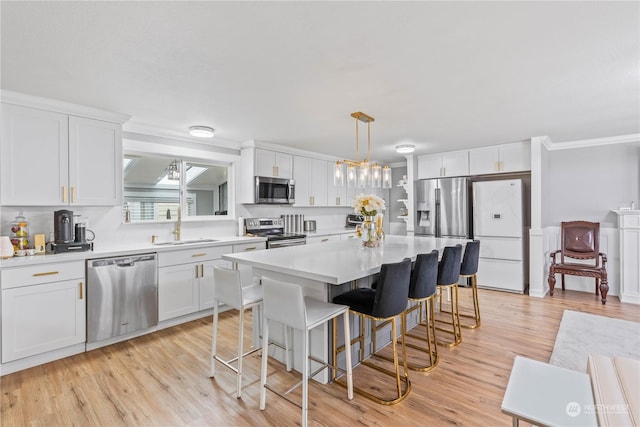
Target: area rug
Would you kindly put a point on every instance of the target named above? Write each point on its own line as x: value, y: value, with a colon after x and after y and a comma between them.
x: 581, y: 334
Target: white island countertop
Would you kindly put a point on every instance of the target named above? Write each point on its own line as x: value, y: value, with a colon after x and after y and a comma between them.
x: 340, y: 261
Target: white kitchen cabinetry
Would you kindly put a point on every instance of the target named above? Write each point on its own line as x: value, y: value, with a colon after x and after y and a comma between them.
x: 515, y: 157
x: 338, y: 195
x: 43, y: 309
x: 273, y: 164
x: 453, y: 163
x: 55, y: 159
x: 310, y: 176
x: 246, y: 272
x: 629, y: 228
x: 185, y: 280
x: 322, y: 239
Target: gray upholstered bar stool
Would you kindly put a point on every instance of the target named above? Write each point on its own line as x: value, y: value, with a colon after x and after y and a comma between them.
x: 448, y: 276
x: 386, y: 302
x: 422, y: 292
x: 284, y: 302
x: 229, y: 290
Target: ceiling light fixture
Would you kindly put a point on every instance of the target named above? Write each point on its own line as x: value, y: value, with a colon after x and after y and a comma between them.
x: 201, y: 131
x: 360, y: 173
x: 405, y: 148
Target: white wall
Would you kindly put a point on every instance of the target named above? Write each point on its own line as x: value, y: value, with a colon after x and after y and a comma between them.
x: 586, y: 183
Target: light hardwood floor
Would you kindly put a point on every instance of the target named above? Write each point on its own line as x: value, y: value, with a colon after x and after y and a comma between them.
x: 162, y: 378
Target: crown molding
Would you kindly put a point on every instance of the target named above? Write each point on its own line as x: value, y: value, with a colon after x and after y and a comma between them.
x: 620, y: 139
x: 24, y: 100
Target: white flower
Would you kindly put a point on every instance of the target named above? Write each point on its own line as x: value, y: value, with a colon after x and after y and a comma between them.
x: 368, y: 204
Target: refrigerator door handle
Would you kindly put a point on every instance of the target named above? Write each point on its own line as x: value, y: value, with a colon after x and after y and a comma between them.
x: 437, y: 213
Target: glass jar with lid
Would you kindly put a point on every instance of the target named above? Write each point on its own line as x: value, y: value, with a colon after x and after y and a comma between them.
x: 20, y: 232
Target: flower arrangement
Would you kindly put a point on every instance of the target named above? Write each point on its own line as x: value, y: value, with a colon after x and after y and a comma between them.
x: 368, y: 204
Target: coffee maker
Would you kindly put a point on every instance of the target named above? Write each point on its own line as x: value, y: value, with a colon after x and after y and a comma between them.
x: 63, y: 234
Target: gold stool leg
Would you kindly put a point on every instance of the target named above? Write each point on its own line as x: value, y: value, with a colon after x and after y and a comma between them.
x: 431, y: 348
x: 454, y: 325
x: 396, y: 374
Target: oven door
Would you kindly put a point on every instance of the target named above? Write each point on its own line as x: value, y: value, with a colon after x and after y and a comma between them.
x: 274, y: 190
x: 274, y: 244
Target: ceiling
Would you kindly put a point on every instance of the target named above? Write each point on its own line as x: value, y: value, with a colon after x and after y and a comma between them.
x: 440, y: 75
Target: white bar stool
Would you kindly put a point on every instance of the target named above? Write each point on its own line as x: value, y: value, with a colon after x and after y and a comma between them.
x: 284, y: 302
x: 229, y: 290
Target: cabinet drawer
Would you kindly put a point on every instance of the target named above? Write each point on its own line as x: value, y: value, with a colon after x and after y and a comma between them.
x: 500, y: 248
x: 185, y: 256
x: 45, y: 273
x: 246, y: 247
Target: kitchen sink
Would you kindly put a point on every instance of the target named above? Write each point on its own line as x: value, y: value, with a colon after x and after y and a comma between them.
x: 185, y: 242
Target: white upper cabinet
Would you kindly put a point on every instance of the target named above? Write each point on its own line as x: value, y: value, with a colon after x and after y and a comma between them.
x: 95, y: 162
x: 504, y: 158
x: 52, y: 158
x: 34, y: 153
x: 310, y: 176
x: 453, y: 163
x: 273, y: 164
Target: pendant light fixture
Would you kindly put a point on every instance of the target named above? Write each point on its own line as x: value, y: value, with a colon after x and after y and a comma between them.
x: 360, y: 173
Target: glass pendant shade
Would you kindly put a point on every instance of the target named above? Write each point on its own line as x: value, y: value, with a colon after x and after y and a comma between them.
x: 376, y: 176
x: 352, y: 176
x: 364, y: 175
x: 386, y: 177
x: 338, y: 175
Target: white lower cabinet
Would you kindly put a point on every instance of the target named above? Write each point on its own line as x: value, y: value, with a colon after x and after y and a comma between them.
x: 322, y: 239
x: 43, y: 309
x: 185, y: 289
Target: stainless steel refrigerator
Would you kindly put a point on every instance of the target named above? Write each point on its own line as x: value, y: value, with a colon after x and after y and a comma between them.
x: 442, y: 207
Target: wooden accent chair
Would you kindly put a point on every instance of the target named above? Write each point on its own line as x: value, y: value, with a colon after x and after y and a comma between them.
x: 580, y: 240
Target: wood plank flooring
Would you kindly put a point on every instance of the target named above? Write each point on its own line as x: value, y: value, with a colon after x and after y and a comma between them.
x: 162, y: 379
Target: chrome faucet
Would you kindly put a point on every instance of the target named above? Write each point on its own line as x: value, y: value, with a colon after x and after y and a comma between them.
x: 178, y: 225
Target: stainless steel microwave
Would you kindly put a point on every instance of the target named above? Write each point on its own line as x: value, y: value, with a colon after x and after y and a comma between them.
x: 274, y: 190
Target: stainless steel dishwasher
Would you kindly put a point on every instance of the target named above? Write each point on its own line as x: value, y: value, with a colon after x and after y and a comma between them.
x: 122, y: 295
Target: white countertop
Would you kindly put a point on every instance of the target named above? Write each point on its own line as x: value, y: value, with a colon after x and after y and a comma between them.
x: 102, y: 251
x: 340, y: 261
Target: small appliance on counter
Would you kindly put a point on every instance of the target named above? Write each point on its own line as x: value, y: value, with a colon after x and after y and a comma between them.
x: 310, y: 225
x: 353, y: 220
x: 63, y: 229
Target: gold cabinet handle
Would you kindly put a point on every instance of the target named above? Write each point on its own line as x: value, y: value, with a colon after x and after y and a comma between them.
x: 73, y: 194
x: 48, y: 273
x: 201, y: 270
x: 252, y: 248
x: 197, y: 271
x: 337, y: 201
x: 275, y: 171
x: 324, y: 240
x: 501, y: 165
x: 64, y: 194
x: 80, y: 286
x: 197, y: 255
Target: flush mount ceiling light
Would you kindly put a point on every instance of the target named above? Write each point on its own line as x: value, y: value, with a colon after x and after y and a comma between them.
x: 360, y: 173
x: 405, y: 148
x: 201, y: 131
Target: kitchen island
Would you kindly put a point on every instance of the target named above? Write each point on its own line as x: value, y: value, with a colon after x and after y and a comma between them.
x: 328, y: 270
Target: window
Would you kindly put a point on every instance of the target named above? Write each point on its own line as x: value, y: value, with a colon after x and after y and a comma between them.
x: 154, y: 187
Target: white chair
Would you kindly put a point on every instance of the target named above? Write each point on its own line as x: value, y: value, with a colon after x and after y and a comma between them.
x: 284, y: 302
x: 229, y: 290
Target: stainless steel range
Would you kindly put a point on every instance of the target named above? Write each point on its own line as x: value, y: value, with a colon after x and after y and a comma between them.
x: 273, y: 230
